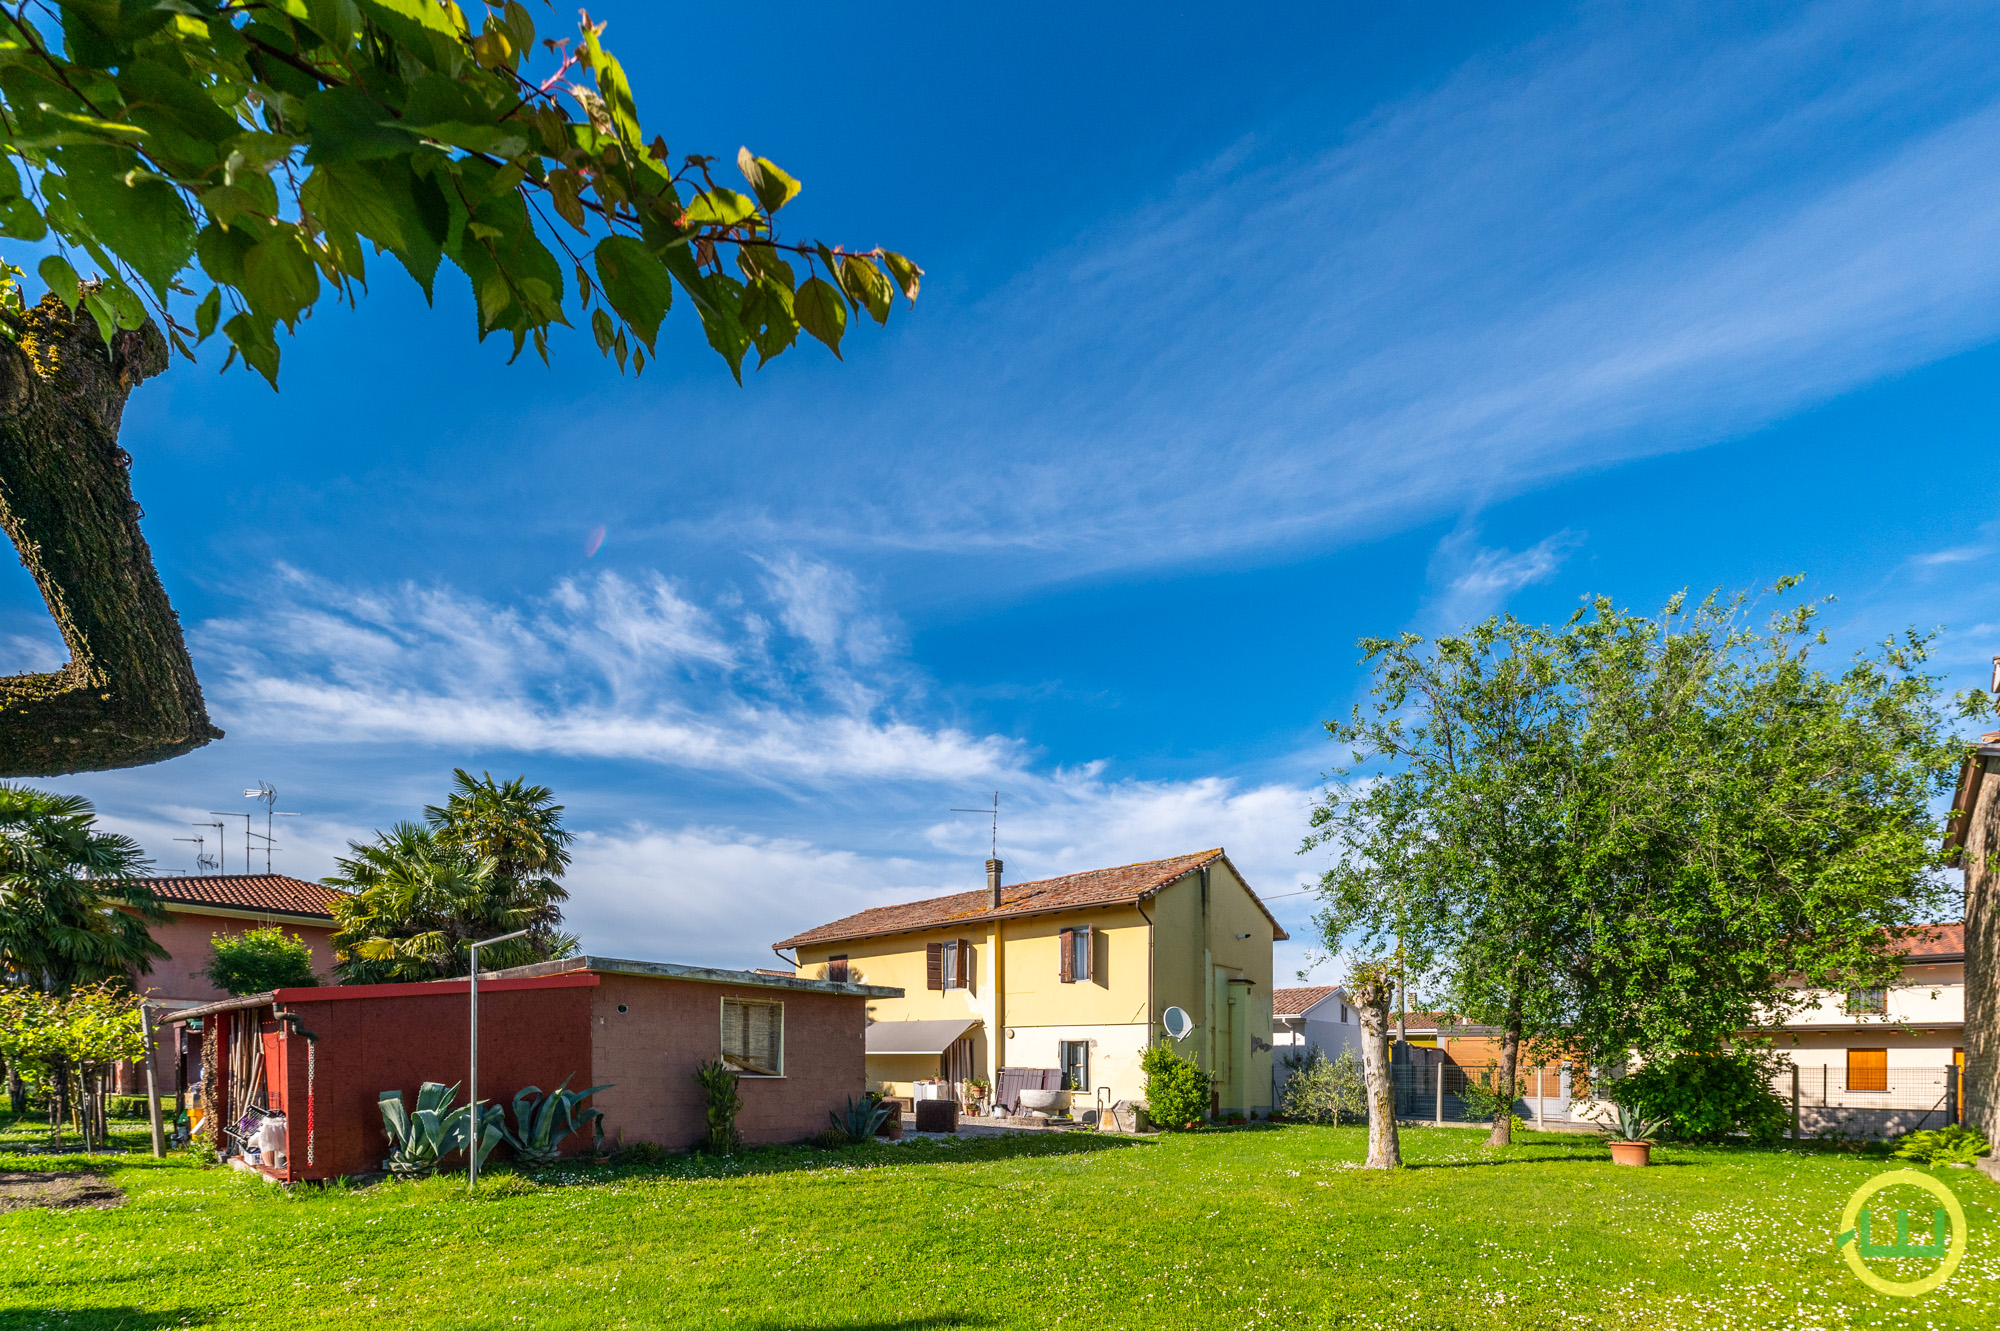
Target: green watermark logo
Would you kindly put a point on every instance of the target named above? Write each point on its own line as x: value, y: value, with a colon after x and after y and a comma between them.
x: 1856, y: 1242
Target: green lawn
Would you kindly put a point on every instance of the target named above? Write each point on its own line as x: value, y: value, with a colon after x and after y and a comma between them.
x: 1223, y: 1230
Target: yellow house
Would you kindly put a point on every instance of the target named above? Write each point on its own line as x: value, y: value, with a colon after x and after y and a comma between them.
x: 1070, y: 973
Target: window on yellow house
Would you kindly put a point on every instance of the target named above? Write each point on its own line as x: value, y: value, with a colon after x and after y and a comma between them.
x: 1075, y: 959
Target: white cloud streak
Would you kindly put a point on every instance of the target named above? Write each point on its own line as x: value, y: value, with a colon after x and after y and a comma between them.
x: 1603, y: 246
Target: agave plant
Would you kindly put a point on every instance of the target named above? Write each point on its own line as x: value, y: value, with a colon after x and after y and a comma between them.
x: 542, y: 1122
x: 863, y: 1116
x: 1627, y: 1124
x: 419, y: 1140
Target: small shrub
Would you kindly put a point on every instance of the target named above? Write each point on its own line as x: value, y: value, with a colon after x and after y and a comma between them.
x: 641, y: 1153
x: 1951, y: 1145
x: 718, y: 1084
x: 1705, y: 1097
x: 1322, y: 1090
x: 258, y: 960
x: 832, y: 1139
x: 1486, y: 1097
x: 1177, y: 1090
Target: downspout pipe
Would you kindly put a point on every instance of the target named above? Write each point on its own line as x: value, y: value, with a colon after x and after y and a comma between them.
x: 793, y: 962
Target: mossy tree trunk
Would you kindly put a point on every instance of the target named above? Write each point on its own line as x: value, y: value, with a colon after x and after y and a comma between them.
x: 128, y: 695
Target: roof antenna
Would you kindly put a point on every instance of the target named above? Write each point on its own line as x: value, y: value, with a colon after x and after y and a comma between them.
x: 203, y: 861
x: 995, y: 811
x: 229, y: 813
x: 267, y: 795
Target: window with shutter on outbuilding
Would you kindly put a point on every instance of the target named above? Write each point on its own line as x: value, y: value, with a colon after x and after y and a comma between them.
x: 753, y: 1037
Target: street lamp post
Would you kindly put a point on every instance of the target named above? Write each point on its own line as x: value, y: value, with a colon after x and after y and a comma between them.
x: 472, y: 1146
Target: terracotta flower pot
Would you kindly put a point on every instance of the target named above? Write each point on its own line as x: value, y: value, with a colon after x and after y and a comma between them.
x: 1632, y: 1153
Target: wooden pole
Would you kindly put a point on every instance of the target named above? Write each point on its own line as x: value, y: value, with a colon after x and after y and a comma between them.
x: 152, y: 1083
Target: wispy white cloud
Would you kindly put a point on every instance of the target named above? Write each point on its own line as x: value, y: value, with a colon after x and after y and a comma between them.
x: 603, y: 667
x: 1608, y: 244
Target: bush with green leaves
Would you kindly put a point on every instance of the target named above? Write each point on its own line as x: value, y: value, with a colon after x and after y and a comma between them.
x: 720, y: 1104
x: 1706, y: 1097
x: 259, y: 960
x: 1322, y: 1089
x: 1177, y: 1089
x: 1954, y: 1144
x: 1486, y: 1097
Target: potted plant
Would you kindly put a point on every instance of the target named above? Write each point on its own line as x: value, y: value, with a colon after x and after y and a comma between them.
x: 1631, y: 1135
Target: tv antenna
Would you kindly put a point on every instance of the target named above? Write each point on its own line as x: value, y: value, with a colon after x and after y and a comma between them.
x: 203, y: 861
x: 995, y: 812
x: 267, y: 795
x: 247, y: 834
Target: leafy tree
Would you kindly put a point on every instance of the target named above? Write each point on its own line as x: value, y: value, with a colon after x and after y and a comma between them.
x: 70, y: 910
x: 487, y: 862
x: 257, y: 960
x: 1638, y: 833
x: 1322, y: 1089
x: 228, y: 165
x: 52, y: 1041
x: 1464, y: 850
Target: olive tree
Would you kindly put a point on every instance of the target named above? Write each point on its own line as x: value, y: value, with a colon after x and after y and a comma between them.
x: 219, y: 167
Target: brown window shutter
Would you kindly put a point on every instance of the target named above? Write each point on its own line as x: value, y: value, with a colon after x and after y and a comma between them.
x: 964, y: 964
x: 1069, y: 956
x: 933, y: 965
x: 836, y: 968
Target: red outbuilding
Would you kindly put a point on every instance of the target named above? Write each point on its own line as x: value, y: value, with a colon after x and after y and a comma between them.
x: 320, y: 1058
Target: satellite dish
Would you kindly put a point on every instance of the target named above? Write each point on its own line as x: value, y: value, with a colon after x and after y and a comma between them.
x: 1177, y: 1022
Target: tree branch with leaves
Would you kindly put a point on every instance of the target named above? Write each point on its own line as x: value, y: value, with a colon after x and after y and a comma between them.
x: 222, y: 167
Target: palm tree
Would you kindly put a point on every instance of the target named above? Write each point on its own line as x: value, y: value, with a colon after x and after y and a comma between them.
x: 518, y: 827
x: 485, y: 863
x: 70, y: 910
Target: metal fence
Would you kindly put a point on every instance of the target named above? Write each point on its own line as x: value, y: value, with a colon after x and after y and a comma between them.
x: 1436, y: 1092
x: 1825, y: 1101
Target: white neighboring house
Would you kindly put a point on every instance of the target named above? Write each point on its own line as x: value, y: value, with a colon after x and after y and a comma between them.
x: 1879, y: 1062
x: 1302, y: 1019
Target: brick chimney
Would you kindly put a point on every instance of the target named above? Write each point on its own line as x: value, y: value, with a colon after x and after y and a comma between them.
x: 993, y: 884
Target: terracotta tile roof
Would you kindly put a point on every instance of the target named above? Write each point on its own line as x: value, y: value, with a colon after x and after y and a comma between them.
x: 1096, y: 887
x: 1424, y: 1021
x: 1291, y: 1002
x: 1933, y: 940
x: 273, y: 892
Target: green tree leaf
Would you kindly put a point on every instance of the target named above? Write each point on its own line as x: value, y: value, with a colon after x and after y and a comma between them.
x: 774, y: 189
x: 637, y: 285
x: 61, y: 279
x: 864, y: 282
x: 821, y: 312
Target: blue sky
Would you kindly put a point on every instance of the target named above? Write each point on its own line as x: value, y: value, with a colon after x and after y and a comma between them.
x: 1248, y: 330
